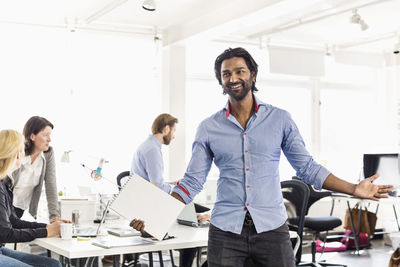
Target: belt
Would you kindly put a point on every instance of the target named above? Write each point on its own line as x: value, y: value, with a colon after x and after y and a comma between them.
x: 248, y: 220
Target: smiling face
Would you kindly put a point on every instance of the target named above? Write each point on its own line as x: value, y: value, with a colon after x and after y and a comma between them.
x: 237, y: 80
x: 42, y: 139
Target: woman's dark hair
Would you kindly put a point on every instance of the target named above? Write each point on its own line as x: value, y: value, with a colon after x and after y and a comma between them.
x: 236, y: 52
x: 33, y: 126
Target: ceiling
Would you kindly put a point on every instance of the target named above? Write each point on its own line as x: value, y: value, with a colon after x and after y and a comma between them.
x: 311, y: 23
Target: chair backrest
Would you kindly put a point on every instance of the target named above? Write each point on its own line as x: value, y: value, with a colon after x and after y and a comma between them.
x: 297, y: 193
x: 314, y: 195
x: 121, y: 176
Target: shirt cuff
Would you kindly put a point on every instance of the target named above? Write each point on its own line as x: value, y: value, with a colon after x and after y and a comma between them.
x: 320, y: 177
x: 184, y: 195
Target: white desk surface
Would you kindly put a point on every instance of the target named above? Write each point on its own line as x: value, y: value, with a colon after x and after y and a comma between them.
x: 185, y: 237
x: 389, y: 200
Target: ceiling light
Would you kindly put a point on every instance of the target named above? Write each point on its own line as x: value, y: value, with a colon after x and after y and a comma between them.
x: 149, y: 5
x: 363, y: 25
x: 356, y: 19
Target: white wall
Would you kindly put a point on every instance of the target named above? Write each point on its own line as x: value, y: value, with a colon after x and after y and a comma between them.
x: 99, y: 90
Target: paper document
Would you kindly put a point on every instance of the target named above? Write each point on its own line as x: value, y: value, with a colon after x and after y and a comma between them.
x: 123, y: 231
x: 139, y: 199
x: 112, y: 242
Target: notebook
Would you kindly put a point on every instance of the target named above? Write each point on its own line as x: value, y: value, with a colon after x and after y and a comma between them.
x: 188, y: 217
x: 139, y: 199
x: 92, y: 232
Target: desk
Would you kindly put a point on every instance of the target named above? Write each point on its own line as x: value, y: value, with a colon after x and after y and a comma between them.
x: 185, y: 237
x: 363, y: 203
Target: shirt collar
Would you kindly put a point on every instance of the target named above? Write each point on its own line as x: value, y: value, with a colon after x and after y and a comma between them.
x: 155, y: 140
x: 257, y: 104
x: 27, y: 159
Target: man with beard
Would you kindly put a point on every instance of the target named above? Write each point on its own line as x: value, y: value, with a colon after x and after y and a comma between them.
x: 148, y: 161
x: 245, y: 140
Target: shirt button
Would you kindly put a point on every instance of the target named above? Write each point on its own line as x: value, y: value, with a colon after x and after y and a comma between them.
x: 245, y: 133
x: 248, y: 186
x: 247, y: 204
x: 246, y: 151
x: 247, y: 169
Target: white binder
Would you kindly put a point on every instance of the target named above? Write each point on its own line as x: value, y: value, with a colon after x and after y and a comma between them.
x: 140, y: 199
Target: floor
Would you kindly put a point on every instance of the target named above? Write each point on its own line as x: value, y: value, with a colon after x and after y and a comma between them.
x: 377, y: 256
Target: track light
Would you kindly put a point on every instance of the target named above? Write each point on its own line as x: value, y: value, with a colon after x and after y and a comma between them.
x: 149, y: 5
x: 364, y: 26
x: 356, y: 19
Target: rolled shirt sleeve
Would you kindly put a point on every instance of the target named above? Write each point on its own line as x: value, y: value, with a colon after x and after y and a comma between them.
x: 295, y: 151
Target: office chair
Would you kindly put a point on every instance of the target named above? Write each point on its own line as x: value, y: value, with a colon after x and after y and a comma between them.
x: 133, y: 259
x: 297, y: 193
x: 121, y: 176
x: 317, y: 225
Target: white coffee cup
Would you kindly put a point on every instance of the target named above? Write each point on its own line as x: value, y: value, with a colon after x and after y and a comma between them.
x: 66, y: 231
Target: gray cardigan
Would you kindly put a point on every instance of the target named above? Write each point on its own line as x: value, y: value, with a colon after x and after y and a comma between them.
x: 48, y: 176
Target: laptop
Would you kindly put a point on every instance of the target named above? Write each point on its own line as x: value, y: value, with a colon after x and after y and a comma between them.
x: 92, y: 232
x: 188, y: 217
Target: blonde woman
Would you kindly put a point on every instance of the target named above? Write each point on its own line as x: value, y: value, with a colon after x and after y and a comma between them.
x: 12, y: 229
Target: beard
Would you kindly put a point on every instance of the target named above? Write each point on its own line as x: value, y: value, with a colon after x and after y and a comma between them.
x: 167, y: 139
x: 238, y: 95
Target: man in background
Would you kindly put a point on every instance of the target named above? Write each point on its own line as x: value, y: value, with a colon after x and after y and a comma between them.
x: 148, y: 160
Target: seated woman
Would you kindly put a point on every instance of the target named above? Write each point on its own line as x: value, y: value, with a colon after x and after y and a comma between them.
x: 12, y: 229
x: 37, y: 167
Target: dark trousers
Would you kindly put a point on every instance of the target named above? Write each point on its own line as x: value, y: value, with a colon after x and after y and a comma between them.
x: 186, y: 257
x: 268, y: 249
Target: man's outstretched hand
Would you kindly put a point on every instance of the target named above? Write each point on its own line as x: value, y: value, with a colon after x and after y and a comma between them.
x: 138, y: 225
x: 366, y: 189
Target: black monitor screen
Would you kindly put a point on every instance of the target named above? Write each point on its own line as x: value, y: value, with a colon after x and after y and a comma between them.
x: 386, y: 165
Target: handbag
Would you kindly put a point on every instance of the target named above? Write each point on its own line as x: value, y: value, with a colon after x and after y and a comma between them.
x: 395, y: 259
x: 368, y: 220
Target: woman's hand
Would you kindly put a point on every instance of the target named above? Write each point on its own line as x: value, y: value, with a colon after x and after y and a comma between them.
x: 58, y: 219
x: 53, y: 229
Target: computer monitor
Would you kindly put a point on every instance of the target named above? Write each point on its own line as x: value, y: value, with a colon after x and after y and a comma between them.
x: 386, y: 165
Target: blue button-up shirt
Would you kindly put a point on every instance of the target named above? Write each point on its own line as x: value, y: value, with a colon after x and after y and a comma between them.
x: 248, y: 161
x: 148, y: 163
